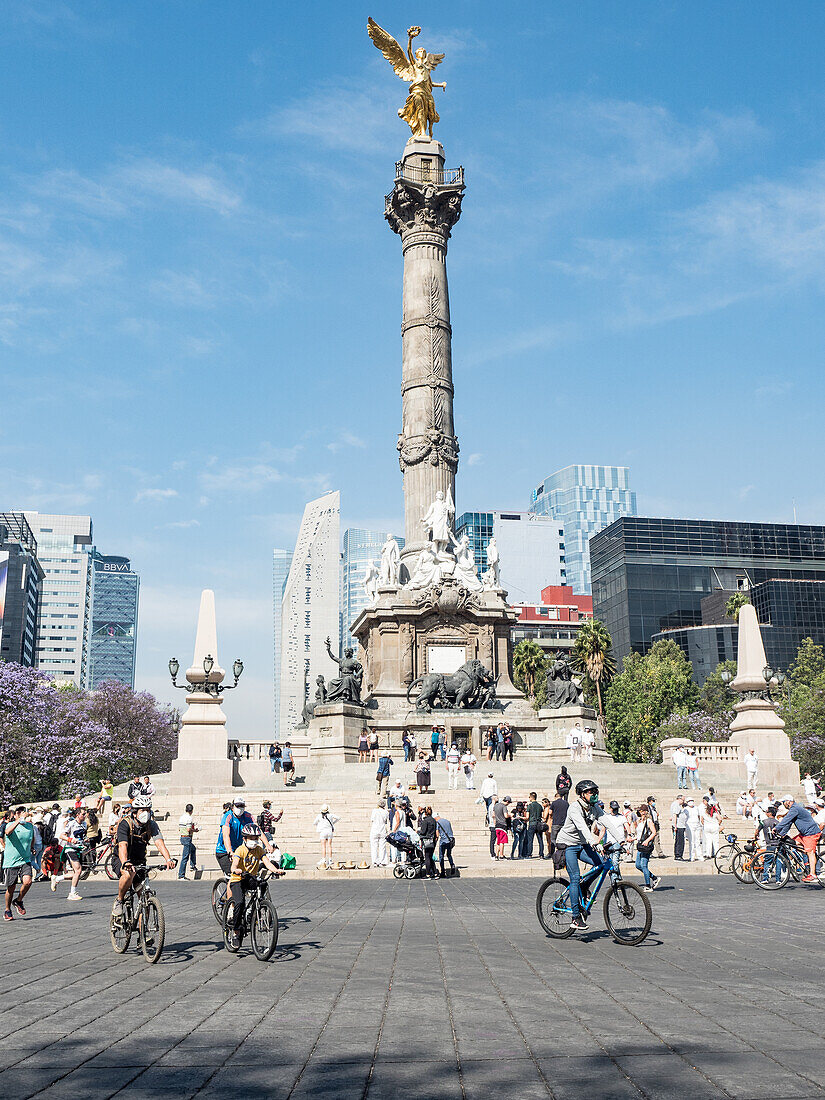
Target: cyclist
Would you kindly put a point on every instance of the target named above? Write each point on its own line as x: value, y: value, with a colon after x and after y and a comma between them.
x: 246, y: 862
x: 809, y: 832
x: 135, y: 830
x: 229, y: 835
x: 580, y: 834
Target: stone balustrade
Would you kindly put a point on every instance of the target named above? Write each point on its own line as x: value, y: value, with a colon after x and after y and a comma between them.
x: 713, y: 753
x: 259, y: 750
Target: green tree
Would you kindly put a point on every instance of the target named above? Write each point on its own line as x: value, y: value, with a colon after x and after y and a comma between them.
x: 593, y: 657
x: 715, y: 696
x: 529, y: 668
x: 638, y: 699
x: 803, y: 706
x: 735, y: 603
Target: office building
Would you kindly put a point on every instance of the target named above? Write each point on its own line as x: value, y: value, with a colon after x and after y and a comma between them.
x: 64, y: 549
x: 584, y: 500
x: 310, y: 606
x: 360, y: 547
x: 114, y: 618
x: 530, y: 547
x: 281, y: 561
x: 21, y: 577
x: 651, y: 576
x: 555, y: 622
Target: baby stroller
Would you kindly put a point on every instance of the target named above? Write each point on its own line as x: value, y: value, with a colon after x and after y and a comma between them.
x: 414, y: 867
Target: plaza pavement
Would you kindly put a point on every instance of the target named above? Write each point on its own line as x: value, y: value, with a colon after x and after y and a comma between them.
x: 428, y: 990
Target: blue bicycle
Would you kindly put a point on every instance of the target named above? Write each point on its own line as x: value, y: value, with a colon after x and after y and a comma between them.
x: 626, y: 909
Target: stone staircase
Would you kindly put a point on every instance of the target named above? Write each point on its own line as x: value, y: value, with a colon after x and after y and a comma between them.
x: 350, y: 792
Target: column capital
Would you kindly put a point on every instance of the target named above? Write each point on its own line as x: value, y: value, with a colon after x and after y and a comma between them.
x: 426, y: 209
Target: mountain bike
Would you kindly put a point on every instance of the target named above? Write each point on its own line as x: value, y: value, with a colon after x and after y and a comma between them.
x: 726, y: 853
x: 91, y: 860
x: 781, y: 862
x: 626, y: 909
x: 259, y: 920
x: 742, y: 863
x: 142, y: 913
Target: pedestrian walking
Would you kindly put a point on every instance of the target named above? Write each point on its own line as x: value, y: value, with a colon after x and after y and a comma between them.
x: 405, y: 744
x: 267, y: 820
x: 188, y: 827
x: 489, y: 790
x: 385, y: 762
x: 363, y: 747
x: 428, y: 833
x: 288, y: 765
x: 693, y: 769
x: 563, y: 783
x: 379, y: 823
x: 453, y: 764
x: 491, y: 742
x: 325, y: 827
x: 446, y: 839
x: 693, y: 832
x: 678, y: 820
x: 442, y: 742
x: 679, y: 759
x: 808, y: 785
x: 534, y: 827
x: 502, y: 820
x: 434, y: 732
x: 645, y: 835
x: 422, y: 774
x: 711, y: 820
x: 500, y: 741
x: 491, y: 825
x: 752, y: 767
x: 373, y: 743
x: 18, y: 853
x: 468, y: 763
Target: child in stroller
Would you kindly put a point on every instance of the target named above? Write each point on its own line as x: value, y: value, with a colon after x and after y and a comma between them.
x: 406, y: 842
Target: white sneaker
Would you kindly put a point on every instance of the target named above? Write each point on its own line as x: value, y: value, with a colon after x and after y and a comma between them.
x: 54, y: 882
x: 73, y: 896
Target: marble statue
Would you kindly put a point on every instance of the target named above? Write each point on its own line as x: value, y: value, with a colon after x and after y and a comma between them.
x: 370, y: 581
x: 427, y: 572
x: 465, y: 564
x: 493, y: 563
x: 562, y: 689
x: 347, y: 686
x: 415, y: 68
x: 390, y: 563
x: 320, y: 691
x: 438, y: 521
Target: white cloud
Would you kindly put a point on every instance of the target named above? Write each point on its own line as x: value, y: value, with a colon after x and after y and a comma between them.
x: 155, y: 495
x: 330, y: 116
x: 346, y: 439
x: 181, y: 524
x: 170, y: 183
x: 475, y: 459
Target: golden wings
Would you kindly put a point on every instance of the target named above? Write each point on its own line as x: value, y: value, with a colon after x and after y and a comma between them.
x: 395, y: 54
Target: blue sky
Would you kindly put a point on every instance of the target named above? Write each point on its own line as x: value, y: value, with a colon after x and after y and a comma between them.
x: 200, y: 300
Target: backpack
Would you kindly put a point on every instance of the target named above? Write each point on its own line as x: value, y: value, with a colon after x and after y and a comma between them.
x: 47, y: 830
x: 260, y: 821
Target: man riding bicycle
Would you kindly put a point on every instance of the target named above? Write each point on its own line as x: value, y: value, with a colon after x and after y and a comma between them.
x: 246, y: 862
x: 579, y: 836
x: 229, y: 835
x: 808, y: 830
x: 135, y: 830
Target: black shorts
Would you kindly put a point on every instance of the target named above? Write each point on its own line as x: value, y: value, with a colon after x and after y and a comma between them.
x: 287, y: 766
x: 12, y: 875
x: 224, y: 861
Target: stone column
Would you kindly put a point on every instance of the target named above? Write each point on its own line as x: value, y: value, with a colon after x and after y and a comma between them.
x: 422, y: 208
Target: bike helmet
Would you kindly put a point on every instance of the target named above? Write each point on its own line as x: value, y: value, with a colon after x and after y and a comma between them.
x: 251, y: 831
x: 587, y: 786
x: 614, y: 806
x: 142, y: 802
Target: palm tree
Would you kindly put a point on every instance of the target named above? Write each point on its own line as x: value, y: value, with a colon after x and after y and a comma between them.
x: 529, y: 663
x: 735, y: 603
x: 593, y: 656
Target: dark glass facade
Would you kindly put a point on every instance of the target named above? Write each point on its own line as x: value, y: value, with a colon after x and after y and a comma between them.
x: 22, y: 577
x: 651, y: 575
x: 113, y: 636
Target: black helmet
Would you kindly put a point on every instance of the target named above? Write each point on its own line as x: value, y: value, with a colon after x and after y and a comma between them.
x: 614, y: 806
x: 586, y: 786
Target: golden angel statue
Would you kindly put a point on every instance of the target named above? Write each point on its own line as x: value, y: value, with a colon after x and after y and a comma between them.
x: 419, y: 111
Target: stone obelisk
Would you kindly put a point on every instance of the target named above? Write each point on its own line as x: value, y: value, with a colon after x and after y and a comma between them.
x: 423, y: 206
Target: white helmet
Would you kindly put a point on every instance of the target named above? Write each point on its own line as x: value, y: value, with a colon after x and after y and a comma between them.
x: 142, y: 802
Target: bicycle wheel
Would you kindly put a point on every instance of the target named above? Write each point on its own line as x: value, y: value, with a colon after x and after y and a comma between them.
x: 219, y: 899
x: 770, y: 871
x: 627, y: 913
x: 264, y: 929
x: 152, y: 929
x: 741, y: 867
x: 87, y: 862
x: 230, y: 938
x: 553, y: 908
x: 108, y: 868
x: 120, y: 930
x: 724, y: 858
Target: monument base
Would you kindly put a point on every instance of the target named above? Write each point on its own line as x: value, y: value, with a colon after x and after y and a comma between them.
x: 557, y: 725
x: 188, y: 777
x: 758, y: 726
x: 335, y: 730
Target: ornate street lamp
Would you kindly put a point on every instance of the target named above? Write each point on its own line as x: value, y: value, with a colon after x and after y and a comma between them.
x: 207, y: 687
x: 726, y: 675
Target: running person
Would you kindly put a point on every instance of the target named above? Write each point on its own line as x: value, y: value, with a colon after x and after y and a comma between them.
x: 17, y: 861
x: 580, y: 834
x: 246, y: 862
x: 135, y: 831
x: 71, y: 833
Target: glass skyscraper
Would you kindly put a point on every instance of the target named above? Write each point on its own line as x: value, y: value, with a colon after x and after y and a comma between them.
x: 359, y: 548
x: 113, y: 634
x: 64, y: 549
x: 21, y: 577
x: 281, y: 561
x: 584, y: 500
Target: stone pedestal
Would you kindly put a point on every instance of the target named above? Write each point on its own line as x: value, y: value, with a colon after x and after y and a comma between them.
x: 335, y: 729
x: 559, y: 722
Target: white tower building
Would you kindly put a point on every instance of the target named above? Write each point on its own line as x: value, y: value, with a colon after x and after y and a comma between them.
x: 310, y: 607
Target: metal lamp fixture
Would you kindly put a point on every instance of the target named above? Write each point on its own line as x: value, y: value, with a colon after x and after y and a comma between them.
x: 207, y: 687
x: 726, y: 675
x: 767, y: 672
x: 174, y: 669
x: 208, y: 663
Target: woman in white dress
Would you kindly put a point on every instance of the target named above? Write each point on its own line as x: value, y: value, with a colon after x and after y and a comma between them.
x: 711, y: 818
x: 378, y: 834
x: 325, y: 827
x: 693, y: 832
